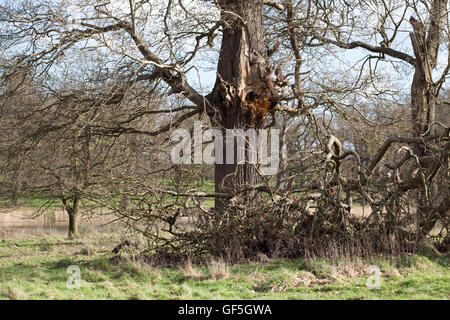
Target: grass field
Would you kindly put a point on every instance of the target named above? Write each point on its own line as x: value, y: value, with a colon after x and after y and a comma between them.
x: 39, y: 201
x: 36, y: 268
x: 34, y: 265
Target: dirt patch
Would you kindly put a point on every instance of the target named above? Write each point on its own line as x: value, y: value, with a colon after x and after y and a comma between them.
x: 361, y: 211
x: 24, y: 222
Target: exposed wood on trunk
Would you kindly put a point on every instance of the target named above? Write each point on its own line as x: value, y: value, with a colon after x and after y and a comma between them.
x: 244, y: 92
x: 425, y: 44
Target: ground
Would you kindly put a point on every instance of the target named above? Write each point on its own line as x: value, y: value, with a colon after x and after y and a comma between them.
x: 35, y: 257
x: 37, y: 268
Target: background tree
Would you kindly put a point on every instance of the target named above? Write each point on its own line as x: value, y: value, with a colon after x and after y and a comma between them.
x: 18, y: 97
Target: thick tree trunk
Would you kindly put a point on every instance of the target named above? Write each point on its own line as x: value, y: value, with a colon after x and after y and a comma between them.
x: 244, y: 93
x: 423, y: 99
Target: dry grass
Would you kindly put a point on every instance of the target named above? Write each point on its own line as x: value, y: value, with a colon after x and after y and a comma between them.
x: 87, y: 251
x: 13, y: 293
x: 218, y: 269
x: 192, y: 272
x: 23, y: 222
x: 336, y: 268
x: 31, y: 273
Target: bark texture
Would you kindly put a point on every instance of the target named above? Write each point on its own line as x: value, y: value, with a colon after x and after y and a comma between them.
x: 244, y: 92
x: 72, y: 211
x: 425, y: 43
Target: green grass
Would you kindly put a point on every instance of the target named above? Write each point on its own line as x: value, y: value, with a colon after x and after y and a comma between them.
x: 33, y: 201
x: 36, y: 268
x: 38, y: 201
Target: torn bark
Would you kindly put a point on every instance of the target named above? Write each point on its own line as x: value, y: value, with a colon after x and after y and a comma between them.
x: 244, y: 93
x: 425, y: 44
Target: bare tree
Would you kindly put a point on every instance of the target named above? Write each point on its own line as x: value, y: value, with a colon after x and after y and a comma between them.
x: 244, y: 92
x: 18, y: 97
x: 275, y: 62
x: 425, y: 44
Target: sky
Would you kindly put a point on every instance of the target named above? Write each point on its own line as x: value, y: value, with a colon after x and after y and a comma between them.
x: 202, y: 75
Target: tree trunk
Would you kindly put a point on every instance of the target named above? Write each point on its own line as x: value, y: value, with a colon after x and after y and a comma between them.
x: 73, y: 226
x: 423, y: 100
x: 17, y: 184
x: 72, y: 211
x: 244, y: 92
x: 15, y: 196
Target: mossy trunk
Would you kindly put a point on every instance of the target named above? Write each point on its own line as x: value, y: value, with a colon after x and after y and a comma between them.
x: 72, y: 211
x: 73, y: 225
